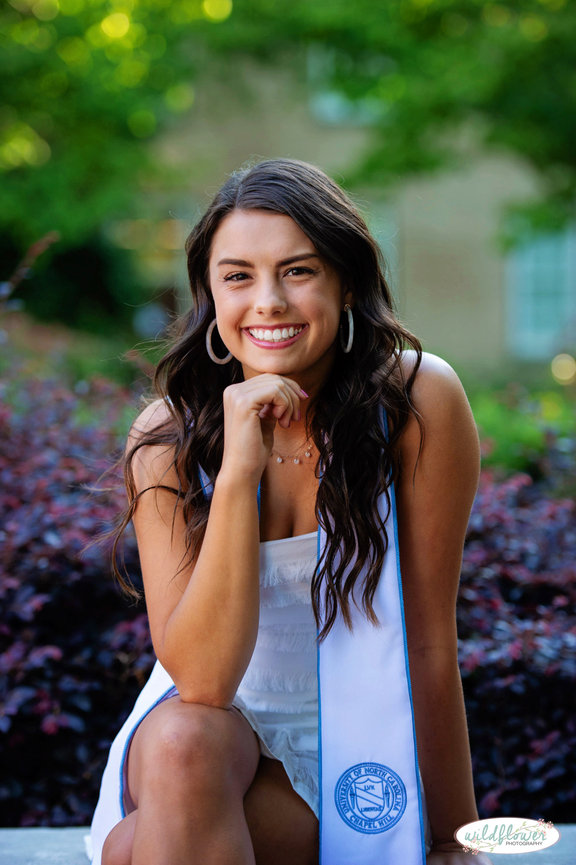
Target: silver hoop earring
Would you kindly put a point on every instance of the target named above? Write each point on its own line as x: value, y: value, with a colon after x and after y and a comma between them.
x: 347, y: 346
x: 210, y: 350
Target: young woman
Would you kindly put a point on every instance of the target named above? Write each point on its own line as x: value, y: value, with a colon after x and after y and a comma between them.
x: 301, y: 450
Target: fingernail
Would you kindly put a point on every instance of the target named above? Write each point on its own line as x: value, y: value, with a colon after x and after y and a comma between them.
x: 303, y: 392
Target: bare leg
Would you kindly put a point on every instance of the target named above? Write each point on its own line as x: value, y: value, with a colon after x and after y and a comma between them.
x: 189, y: 768
x: 117, y: 849
x: 283, y: 828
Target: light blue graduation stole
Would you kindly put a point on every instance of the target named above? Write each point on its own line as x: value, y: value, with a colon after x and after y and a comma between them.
x: 371, y: 809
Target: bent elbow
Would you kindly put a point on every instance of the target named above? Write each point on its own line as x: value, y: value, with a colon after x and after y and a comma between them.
x: 206, y: 690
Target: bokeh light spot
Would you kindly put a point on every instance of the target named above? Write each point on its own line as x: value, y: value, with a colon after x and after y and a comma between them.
x: 23, y: 146
x: 533, y: 28
x: 551, y: 407
x: 44, y: 39
x: 20, y: 5
x: 142, y: 123
x: 131, y: 72
x: 563, y: 369
x: 46, y: 10
x: 25, y: 32
x: 74, y: 52
x: 217, y: 10
x: 116, y: 25
x: 179, y: 97
x: 391, y: 88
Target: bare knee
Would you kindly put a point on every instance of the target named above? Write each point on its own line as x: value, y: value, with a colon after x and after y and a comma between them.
x: 189, y: 738
x: 191, y: 746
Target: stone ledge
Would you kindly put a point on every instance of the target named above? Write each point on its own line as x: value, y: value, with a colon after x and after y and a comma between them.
x: 43, y: 846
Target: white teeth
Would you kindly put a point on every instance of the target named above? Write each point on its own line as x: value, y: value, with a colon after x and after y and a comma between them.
x: 276, y: 335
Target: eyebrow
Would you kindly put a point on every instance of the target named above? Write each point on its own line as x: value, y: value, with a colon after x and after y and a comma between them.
x: 240, y: 262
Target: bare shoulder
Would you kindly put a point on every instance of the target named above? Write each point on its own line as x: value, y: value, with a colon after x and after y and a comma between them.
x: 435, y: 382
x: 152, y: 417
x: 446, y: 421
x: 151, y: 463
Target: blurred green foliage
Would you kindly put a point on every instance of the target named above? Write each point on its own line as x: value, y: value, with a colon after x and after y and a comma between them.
x: 92, y: 286
x: 522, y: 428
x: 86, y: 85
x: 436, y: 78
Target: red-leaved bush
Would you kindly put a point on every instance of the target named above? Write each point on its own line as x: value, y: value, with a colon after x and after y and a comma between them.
x: 517, y: 627
x: 74, y: 653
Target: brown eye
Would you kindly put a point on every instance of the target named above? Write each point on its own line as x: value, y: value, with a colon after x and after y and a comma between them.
x: 299, y: 271
x: 235, y: 277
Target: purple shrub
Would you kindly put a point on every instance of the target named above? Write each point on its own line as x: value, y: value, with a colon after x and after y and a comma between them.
x: 74, y: 653
x: 517, y: 626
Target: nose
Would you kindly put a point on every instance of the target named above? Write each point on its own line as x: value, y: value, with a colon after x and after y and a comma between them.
x: 270, y: 296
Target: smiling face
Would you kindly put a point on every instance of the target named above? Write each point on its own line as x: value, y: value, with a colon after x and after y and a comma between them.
x: 278, y: 303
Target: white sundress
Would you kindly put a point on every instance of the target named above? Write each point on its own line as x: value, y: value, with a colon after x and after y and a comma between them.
x: 278, y: 694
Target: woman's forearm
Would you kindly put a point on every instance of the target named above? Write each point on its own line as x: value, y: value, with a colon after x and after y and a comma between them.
x: 443, y: 746
x: 204, y: 613
x: 209, y: 638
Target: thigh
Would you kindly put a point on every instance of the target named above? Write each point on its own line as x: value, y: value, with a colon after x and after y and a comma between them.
x: 283, y: 828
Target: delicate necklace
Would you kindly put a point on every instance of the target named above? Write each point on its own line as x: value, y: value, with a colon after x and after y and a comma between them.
x: 296, y: 457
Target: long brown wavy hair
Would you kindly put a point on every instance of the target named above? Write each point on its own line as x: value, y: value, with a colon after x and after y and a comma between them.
x: 357, y: 457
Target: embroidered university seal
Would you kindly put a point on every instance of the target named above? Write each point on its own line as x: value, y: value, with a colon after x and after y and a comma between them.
x: 370, y: 797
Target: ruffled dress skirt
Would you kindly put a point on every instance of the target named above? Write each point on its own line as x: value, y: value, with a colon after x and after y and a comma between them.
x: 278, y: 694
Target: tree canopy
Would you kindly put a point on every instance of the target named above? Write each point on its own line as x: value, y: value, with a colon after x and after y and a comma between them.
x: 426, y: 73
x: 86, y: 85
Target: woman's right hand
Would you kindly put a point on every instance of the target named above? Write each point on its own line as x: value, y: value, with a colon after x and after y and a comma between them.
x: 252, y: 409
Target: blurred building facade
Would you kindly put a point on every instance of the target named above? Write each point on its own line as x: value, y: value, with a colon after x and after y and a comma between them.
x: 467, y: 298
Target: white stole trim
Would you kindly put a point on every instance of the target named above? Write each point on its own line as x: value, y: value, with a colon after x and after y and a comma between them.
x: 371, y: 810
